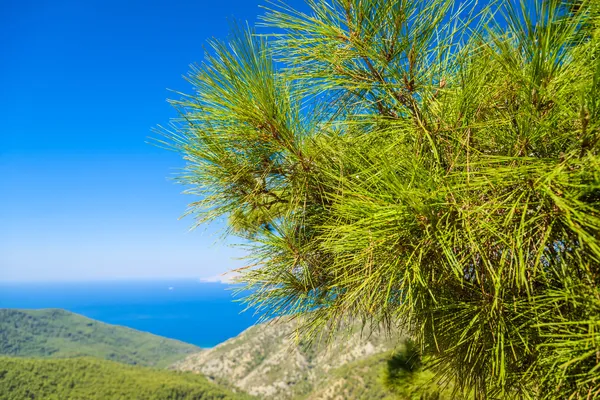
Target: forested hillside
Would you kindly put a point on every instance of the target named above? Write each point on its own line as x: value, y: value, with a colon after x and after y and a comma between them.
x: 89, y: 379
x: 59, y: 334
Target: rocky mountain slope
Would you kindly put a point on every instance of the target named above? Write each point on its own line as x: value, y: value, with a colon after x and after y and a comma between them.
x: 268, y: 362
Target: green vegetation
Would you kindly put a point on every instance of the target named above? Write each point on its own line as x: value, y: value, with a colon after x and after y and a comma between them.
x: 380, y: 377
x: 59, y: 333
x: 407, y: 375
x: 419, y: 163
x: 357, y: 380
x: 88, y: 379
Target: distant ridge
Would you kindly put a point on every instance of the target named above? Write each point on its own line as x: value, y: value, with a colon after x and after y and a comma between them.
x: 227, y: 278
x: 57, y: 333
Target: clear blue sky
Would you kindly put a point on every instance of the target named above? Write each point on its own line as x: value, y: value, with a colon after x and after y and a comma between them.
x: 82, y: 195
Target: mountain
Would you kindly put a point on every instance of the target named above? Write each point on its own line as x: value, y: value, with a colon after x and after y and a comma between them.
x: 91, y: 379
x: 266, y: 362
x: 58, y: 333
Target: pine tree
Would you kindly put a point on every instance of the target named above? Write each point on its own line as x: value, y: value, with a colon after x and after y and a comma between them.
x: 430, y: 165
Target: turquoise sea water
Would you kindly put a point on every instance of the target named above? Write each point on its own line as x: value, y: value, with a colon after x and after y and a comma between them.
x: 203, y: 314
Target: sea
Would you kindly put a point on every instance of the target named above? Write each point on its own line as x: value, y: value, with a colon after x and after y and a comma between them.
x: 201, y: 313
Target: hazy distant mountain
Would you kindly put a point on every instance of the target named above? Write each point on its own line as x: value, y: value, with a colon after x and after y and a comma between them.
x: 265, y: 362
x: 58, y: 334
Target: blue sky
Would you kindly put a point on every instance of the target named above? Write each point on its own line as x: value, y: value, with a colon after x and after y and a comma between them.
x: 83, y: 196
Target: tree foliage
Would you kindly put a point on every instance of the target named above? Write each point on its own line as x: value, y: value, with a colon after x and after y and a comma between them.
x: 427, y: 164
x: 406, y: 375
